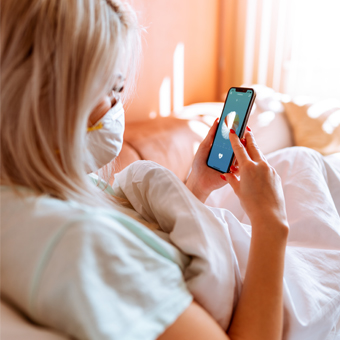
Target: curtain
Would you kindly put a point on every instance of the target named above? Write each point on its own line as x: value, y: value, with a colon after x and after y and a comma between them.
x: 292, y: 46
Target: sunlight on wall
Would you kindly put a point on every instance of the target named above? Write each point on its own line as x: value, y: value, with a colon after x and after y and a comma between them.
x: 178, y: 87
x: 165, y: 98
x: 178, y: 77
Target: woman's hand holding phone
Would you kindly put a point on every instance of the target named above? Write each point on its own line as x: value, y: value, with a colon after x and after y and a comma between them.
x: 257, y: 184
x: 202, y: 179
x: 253, y: 180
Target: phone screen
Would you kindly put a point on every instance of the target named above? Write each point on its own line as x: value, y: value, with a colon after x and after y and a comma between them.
x: 234, y: 115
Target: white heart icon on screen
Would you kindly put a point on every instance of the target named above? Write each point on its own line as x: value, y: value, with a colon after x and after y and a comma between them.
x: 220, y: 155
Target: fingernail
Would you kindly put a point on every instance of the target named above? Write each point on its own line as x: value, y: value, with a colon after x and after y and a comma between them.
x: 243, y: 141
x: 233, y: 168
x: 223, y: 177
x: 248, y: 128
x: 216, y: 120
x: 232, y: 131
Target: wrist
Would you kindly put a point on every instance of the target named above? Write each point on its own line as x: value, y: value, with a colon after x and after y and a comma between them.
x: 271, y: 229
x: 193, y: 185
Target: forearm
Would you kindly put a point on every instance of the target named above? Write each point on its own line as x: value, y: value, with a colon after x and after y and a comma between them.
x: 259, y: 313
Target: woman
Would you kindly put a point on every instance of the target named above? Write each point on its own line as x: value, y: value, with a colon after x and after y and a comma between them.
x: 72, y: 258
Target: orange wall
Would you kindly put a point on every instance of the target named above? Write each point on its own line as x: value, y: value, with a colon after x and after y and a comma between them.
x: 232, y: 18
x: 191, y: 22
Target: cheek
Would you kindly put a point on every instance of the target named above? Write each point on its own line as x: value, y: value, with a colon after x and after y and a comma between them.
x: 100, y: 110
x: 103, y: 106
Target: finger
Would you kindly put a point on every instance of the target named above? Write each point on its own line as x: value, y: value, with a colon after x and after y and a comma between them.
x: 252, y: 148
x: 235, y: 163
x: 233, y: 181
x: 234, y: 169
x: 244, y: 142
x: 239, y: 150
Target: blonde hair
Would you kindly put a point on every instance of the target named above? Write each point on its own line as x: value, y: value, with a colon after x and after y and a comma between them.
x: 58, y: 59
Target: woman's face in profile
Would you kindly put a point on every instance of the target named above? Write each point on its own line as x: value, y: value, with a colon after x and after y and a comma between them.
x: 107, y: 102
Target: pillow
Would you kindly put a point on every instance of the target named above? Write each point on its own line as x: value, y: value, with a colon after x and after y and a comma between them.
x: 315, y: 124
x: 267, y: 120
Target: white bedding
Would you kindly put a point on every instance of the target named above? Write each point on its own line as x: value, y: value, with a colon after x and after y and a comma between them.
x: 218, y: 239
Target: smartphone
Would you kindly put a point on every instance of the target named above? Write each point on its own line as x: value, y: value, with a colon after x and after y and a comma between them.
x: 235, y: 115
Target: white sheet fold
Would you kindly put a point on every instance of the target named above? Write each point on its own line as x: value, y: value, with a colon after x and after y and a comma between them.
x: 219, y: 243
x: 212, y: 275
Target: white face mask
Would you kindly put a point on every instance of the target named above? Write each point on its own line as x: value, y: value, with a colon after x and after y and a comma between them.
x: 105, y: 139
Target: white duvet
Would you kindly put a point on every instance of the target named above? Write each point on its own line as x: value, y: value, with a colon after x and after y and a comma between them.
x: 218, y: 238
